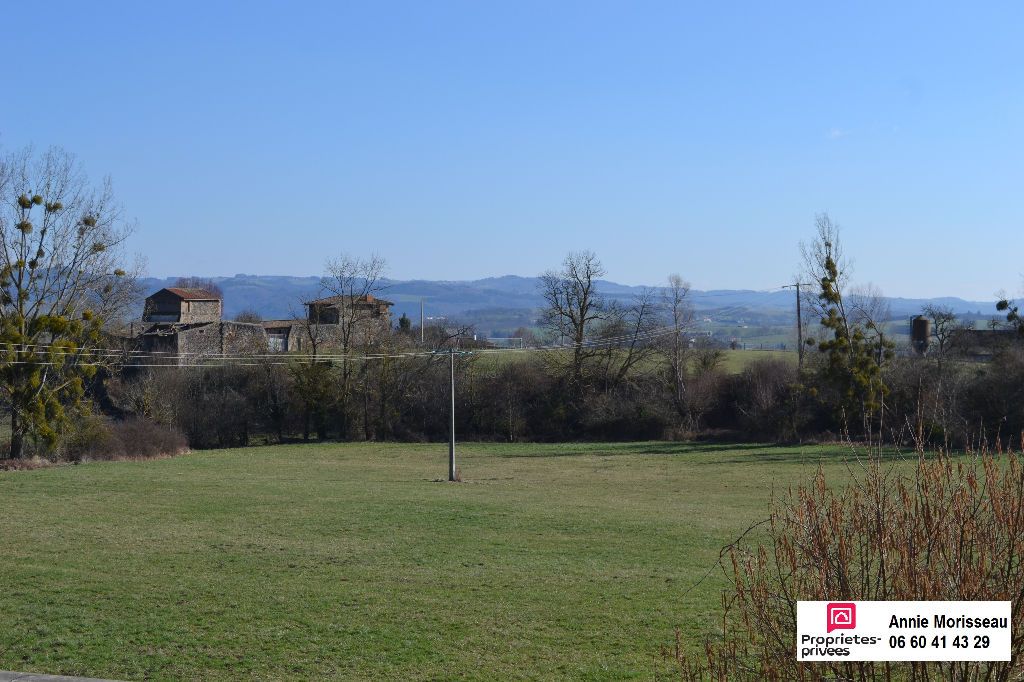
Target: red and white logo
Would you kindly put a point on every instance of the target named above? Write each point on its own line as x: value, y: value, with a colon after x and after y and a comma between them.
x: 840, y: 615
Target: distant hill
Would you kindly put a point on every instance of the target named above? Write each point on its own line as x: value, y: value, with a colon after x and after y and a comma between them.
x: 497, y: 305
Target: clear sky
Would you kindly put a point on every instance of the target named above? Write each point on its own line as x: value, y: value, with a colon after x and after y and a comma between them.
x: 470, y: 139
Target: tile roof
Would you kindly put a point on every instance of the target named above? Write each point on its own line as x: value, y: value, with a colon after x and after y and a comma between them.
x: 193, y: 294
x: 334, y: 300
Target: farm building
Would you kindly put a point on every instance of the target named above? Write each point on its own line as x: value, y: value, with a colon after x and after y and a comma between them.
x: 175, y: 304
x: 369, y: 316
x: 366, y: 309
x: 981, y: 344
x: 184, y: 326
x: 281, y: 336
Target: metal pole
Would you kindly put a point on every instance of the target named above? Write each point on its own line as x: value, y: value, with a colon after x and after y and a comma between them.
x: 421, y: 320
x: 451, y: 440
x: 799, y: 323
x: 799, y: 332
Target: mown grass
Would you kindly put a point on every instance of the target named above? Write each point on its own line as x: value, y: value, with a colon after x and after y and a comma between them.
x: 353, y: 561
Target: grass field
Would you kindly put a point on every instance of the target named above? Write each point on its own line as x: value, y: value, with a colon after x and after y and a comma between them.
x: 353, y: 561
x: 733, y: 361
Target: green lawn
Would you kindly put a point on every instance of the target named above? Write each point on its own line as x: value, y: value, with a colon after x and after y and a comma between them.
x: 353, y: 561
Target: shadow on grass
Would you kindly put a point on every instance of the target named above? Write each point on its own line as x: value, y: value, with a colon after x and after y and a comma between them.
x: 705, y: 453
x: 811, y: 454
x: 543, y: 450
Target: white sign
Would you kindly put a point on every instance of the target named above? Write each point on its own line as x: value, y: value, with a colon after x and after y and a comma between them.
x: 903, y: 631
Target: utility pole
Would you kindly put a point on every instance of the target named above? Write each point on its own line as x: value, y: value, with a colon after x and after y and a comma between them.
x: 451, y: 439
x: 799, y: 324
x: 421, y: 320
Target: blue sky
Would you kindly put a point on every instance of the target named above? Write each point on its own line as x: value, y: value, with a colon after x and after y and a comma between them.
x: 464, y: 140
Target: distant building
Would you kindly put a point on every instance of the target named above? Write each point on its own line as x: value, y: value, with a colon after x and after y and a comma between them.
x: 280, y: 335
x: 370, y: 317
x: 981, y: 344
x: 174, y: 304
x: 184, y: 326
x: 368, y: 310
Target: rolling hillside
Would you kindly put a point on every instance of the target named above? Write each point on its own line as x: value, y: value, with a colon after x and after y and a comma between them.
x: 498, y: 305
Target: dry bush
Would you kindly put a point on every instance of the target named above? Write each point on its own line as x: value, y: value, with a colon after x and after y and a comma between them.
x: 145, y: 438
x: 24, y: 464
x: 952, y: 529
x: 91, y: 437
x: 94, y: 437
x: 765, y: 400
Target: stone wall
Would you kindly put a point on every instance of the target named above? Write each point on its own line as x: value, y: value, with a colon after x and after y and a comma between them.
x: 164, y: 307
x: 328, y: 336
x: 188, y: 344
x: 222, y: 338
x: 200, y: 311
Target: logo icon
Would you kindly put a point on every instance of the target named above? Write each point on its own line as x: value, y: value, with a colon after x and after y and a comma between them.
x: 840, y: 616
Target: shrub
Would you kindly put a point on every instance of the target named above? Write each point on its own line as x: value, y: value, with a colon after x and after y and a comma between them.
x: 765, y: 401
x: 951, y: 530
x: 91, y: 437
x: 94, y: 437
x: 141, y: 437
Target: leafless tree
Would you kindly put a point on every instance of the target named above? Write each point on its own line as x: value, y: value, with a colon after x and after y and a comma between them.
x: 573, y: 305
x: 945, y: 325
x: 627, y: 334
x: 675, y: 346
x: 353, y: 281
x: 204, y: 283
x: 870, y: 311
x: 826, y: 246
x: 250, y: 315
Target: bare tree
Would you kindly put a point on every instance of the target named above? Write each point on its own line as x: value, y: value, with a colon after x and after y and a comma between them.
x: 870, y: 311
x: 250, y: 315
x: 627, y: 334
x: 353, y: 282
x: 945, y: 325
x: 825, y: 248
x: 204, y: 283
x: 573, y: 305
x: 61, y: 280
x: 675, y: 346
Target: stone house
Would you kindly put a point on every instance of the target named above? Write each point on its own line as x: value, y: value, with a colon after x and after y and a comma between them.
x: 175, y: 304
x: 184, y: 326
x: 366, y: 309
x: 369, y: 315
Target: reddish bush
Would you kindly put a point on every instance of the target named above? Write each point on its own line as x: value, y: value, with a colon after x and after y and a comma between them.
x: 950, y: 530
x: 141, y: 437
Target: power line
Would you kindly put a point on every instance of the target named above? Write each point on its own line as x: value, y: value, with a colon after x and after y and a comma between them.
x: 282, y: 358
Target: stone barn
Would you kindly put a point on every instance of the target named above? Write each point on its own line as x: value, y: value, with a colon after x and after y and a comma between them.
x: 184, y: 326
x: 370, y: 317
x: 175, y: 304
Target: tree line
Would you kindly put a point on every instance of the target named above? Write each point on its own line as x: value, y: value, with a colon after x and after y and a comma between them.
x: 596, y: 369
